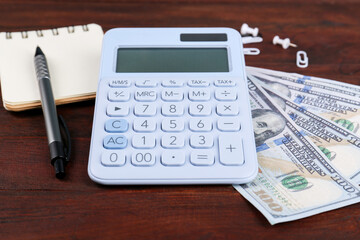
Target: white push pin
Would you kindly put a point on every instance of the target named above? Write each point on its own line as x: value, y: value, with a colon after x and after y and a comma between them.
x: 285, y: 43
x: 245, y: 29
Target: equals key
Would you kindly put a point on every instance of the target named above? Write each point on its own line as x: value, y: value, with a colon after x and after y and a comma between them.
x: 202, y: 158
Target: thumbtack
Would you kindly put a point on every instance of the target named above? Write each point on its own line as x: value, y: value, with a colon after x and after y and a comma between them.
x: 245, y: 29
x: 285, y: 43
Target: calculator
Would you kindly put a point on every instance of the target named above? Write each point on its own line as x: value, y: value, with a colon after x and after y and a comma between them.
x: 172, y: 107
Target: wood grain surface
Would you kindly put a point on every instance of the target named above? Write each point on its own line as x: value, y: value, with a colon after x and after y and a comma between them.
x: 35, y: 205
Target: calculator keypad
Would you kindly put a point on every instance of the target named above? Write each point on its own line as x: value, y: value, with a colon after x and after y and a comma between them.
x: 172, y: 122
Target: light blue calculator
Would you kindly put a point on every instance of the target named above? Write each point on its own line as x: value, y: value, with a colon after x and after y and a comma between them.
x: 172, y: 107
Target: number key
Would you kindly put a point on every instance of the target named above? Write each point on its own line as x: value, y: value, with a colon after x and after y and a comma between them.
x: 199, y: 109
x: 201, y: 140
x: 145, y: 109
x: 172, y: 141
x: 200, y: 124
x: 172, y: 109
x: 113, y: 158
x: 172, y: 125
x: 144, y: 125
x: 143, y: 158
x: 143, y: 141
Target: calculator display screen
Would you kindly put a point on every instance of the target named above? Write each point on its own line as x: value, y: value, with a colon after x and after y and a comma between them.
x: 137, y: 60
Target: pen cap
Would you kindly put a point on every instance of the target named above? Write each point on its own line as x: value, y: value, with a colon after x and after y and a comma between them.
x: 59, y: 168
x: 58, y: 158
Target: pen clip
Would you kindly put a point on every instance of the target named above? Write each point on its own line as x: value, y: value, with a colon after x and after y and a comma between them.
x: 65, y: 134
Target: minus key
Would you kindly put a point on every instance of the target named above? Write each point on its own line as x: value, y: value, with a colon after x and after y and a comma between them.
x: 229, y: 124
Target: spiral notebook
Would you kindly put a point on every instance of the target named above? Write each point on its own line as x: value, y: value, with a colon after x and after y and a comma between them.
x: 73, y: 55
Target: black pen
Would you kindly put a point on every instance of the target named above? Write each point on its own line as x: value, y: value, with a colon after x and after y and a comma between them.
x: 58, y: 155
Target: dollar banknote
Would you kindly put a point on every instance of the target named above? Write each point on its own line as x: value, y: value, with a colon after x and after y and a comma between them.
x: 321, y: 83
x: 295, y: 178
x: 306, y: 79
x: 339, y: 145
x: 338, y: 107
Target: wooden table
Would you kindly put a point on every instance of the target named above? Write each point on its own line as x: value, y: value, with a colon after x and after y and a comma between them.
x: 35, y: 205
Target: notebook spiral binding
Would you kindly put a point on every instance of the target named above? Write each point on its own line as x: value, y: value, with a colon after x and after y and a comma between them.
x: 55, y: 32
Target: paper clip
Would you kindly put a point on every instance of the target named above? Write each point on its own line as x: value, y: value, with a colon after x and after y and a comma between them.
x: 302, y: 60
x: 251, y: 51
x: 250, y: 39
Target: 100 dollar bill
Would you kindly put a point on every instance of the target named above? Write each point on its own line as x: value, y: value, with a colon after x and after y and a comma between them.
x: 342, y: 109
x: 340, y: 145
x: 295, y: 178
x: 313, y: 82
x: 306, y: 79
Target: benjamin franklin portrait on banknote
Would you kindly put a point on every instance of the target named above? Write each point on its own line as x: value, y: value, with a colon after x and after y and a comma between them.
x: 267, y: 124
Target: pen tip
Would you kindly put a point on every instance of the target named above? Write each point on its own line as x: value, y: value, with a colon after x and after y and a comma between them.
x: 38, y: 51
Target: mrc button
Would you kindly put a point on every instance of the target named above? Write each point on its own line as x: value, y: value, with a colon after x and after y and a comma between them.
x: 145, y: 95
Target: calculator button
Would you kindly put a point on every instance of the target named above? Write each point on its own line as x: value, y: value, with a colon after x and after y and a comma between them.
x: 231, y: 149
x: 202, y: 157
x: 120, y: 83
x: 198, y: 83
x: 172, y: 83
x: 143, y: 158
x: 172, y: 125
x: 145, y: 109
x: 115, y: 142
x: 172, y: 140
x: 172, y: 109
x: 224, y: 83
x: 143, y: 141
x: 116, y: 125
x: 200, y: 124
x: 117, y: 110
x: 121, y: 95
x: 144, y: 125
x: 145, y: 95
x: 200, y: 109
x: 146, y: 83
x: 113, y: 158
x: 227, y: 109
x: 172, y: 95
x: 225, y: 94
x: 199, y: 94
x: 173, y: 158
x: 201, y: 140
x: 228, y: 124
